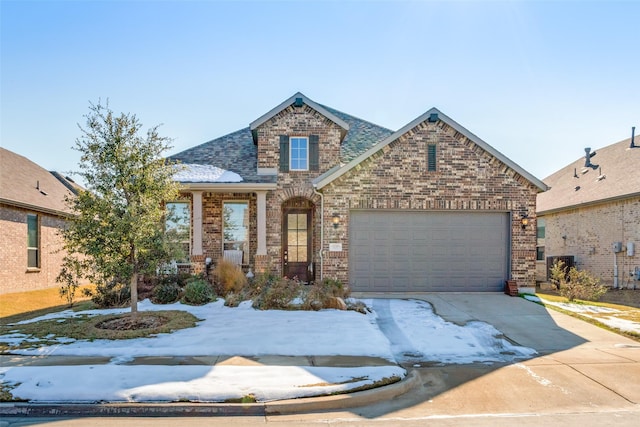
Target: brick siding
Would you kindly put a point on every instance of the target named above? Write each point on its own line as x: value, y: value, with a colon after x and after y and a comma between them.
x: 589, y: 234
x: 14, y: 276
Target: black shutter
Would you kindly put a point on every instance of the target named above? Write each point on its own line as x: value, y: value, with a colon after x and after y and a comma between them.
x: 284, y: 153
x: 314, y: 153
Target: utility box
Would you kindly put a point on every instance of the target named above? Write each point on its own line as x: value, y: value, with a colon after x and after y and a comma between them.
x: 616, y: 246
x: 630, y: 248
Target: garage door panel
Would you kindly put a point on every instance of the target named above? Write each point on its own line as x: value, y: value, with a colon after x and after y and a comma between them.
x: 428, y: 251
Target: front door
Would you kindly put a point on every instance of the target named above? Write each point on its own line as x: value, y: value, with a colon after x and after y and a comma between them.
x: 296, y: 244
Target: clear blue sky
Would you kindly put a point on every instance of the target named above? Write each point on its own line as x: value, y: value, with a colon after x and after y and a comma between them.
x: 538, y: 81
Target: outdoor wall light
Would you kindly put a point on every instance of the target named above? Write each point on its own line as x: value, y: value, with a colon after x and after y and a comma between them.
x: 524, y: 221
x: 335, y: 220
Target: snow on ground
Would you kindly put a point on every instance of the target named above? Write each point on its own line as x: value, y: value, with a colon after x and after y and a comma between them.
x: 605, y: 315
x: 397, y: 330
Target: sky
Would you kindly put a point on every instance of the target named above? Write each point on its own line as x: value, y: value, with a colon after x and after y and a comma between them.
x: 537, y: 80
x: 417, y: 335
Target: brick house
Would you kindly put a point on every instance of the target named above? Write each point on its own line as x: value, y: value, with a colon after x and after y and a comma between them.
x: 310, y: 192
x: 593, y: 203
x: 32, y: 210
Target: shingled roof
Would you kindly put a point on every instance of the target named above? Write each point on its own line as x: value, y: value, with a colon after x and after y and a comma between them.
x: 25, y: 184
x: 237, y: 153
x: 614, y: 174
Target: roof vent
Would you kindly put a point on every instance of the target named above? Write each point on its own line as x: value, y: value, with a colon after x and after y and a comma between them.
x: 587, y: 157
x: 633, y: 134
x: 298, y: 103
x: 433, y: 117
x: 575, y: 173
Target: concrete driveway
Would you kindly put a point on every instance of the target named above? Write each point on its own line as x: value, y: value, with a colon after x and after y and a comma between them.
x: 580, y: 369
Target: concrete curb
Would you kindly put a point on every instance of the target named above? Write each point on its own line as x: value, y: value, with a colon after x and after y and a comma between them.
x: 291, y: 406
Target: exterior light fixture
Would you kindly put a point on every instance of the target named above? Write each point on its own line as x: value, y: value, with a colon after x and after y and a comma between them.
x: 524, y: 221
x: 335, y: 220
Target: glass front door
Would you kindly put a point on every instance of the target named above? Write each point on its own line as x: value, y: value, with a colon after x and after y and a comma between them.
x: 296, y: 251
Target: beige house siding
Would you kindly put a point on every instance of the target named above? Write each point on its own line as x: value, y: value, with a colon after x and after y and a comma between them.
x: 588, y: 232
x: 467, y: 178
x: 14, y: 275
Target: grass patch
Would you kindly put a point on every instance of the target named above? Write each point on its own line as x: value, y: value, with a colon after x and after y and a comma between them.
x: 31, y: 303
x: 87, y: 327
x: 624, y: 312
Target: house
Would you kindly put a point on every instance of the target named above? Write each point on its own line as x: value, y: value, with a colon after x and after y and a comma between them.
x: 310, y: 192
x: 32, y: 210
x: 590, y: 216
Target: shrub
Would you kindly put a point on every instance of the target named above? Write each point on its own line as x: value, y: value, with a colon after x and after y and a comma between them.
x: 166, y: 292
x: 228, y: 277
x: 278, y: 294
x: 576, y: 284
x: 198, y: 292
x: 330, y: 293
x: 69, y: 276
x: 112, y: 294
x: 233, y: 299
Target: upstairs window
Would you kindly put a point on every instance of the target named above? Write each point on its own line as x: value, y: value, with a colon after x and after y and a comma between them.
x: 541, y: 228
x: 33, y: 241
x: 299, y: 153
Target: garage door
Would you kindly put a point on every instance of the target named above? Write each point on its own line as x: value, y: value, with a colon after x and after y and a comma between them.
x: 428, y: 251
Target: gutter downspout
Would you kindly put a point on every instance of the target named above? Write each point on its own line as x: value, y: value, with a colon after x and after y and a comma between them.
x: 315, y: 191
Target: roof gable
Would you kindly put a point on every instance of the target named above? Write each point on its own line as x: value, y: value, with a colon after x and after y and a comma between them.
x: 613, y: 174
x: 431, y: 115
x: 298, y: 99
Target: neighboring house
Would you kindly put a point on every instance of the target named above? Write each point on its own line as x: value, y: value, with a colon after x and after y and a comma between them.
x: 307, y: 191
x: 592, y: 204
x: 32, y: 210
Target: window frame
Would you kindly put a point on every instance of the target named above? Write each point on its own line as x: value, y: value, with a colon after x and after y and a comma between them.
x: 541, y: 228
x: 187, y: 241
x: 292, y: 149
x: 243, y: 243
x: 38, y: 239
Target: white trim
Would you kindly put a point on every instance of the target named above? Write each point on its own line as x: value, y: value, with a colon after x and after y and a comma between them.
x: 267, y: 171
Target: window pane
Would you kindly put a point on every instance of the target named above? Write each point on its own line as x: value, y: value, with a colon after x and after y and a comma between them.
x: 540, y: 253
x: 178, y: 222
x: 32, y: 258
x: 32, y: 231
x: 299, y: 153
x: 236, y: 226
x: 541, y: 228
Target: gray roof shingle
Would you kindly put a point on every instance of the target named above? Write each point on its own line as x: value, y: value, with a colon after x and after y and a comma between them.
x: 237, y: 153
x: 617, y: 163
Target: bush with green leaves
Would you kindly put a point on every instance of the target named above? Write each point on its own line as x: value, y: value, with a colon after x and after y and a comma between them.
x: 576, y: 284
x: 198, y: 292
x: 166, y: 292
x: 112, y: 294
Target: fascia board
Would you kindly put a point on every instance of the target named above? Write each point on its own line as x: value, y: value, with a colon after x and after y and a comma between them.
x: 229, y: 187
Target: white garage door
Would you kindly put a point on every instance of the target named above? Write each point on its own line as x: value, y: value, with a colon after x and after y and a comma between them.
x: 428, y: 251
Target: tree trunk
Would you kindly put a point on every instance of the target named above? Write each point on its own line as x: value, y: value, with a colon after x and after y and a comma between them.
x: 134, y: 292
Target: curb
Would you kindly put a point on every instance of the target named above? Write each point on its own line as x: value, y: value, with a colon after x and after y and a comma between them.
x: 290, y: 406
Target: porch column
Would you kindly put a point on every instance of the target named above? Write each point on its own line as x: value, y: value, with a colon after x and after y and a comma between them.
x: 262, y: 222
x: 197, y: 223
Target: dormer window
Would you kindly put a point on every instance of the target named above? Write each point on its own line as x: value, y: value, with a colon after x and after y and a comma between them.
x: 299, y: 153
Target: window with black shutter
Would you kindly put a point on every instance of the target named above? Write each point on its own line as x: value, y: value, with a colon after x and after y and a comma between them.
x: 314, y: 153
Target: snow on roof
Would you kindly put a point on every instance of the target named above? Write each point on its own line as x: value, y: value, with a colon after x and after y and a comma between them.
x: 189, y: 172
